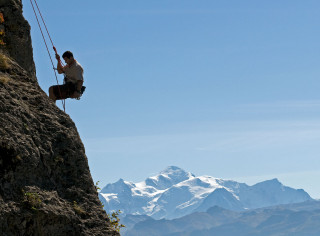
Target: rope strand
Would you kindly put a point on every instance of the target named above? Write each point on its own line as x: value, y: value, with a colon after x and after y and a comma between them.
x: 44, y: 23
x: 35, y: 1
x: 63, y: 101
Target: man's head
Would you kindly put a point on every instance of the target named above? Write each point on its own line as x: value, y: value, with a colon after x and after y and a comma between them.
x: 68, y: 57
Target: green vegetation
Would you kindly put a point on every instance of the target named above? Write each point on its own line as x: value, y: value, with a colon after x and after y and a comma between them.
x: 78, y: 209
x: 4, y: 79
x: 32, y: 199
x: 58, y: 159
x: 26, y: 127
x: 114, y: 216
x: 115, y: 221
x: 97, y: 186
x: 4, y: 65
x: 2, y: 43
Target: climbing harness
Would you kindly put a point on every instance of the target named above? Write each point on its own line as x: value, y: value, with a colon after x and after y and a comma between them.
x: 45, y: 42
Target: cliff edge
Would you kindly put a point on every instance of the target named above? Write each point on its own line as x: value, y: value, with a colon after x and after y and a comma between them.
x: 45, y: 184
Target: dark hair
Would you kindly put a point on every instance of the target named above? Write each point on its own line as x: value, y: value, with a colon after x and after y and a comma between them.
x: 67, y: 54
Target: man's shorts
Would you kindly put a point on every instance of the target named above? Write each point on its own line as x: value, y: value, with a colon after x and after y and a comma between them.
x: 64, y: 91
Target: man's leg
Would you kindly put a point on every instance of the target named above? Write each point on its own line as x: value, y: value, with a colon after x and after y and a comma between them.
x: 51, y: 94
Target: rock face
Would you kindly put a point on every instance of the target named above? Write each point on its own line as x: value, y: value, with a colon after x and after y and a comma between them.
x: 45, y: 184
x: 17, y: 35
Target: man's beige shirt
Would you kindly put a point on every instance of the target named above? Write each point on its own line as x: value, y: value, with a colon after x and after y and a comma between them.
x: 74, y: 72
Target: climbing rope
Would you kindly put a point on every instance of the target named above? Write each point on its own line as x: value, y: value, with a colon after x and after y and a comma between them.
x: 44, y: 23
x: 45, y: 42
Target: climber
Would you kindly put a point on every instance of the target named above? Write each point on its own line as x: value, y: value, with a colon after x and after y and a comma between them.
x: 73, y: 80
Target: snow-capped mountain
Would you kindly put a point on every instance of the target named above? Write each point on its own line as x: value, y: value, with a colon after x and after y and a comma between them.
x: 175, y: 193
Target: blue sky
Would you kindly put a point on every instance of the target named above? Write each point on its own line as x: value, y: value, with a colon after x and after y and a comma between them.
x: 222, y: 88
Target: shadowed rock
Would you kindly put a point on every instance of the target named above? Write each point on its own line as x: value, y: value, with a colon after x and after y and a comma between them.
x: 45, y: 184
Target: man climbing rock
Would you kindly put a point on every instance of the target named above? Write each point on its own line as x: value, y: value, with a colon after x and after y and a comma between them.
x: 73, y: 79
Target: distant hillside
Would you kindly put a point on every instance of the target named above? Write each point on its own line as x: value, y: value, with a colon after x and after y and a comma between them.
x: 175, y: 193
x: 301, y: 219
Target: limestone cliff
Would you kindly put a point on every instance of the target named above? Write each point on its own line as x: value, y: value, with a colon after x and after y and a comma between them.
x: 45, y: 184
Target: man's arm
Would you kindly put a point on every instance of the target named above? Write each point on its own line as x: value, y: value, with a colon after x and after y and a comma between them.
x: 80, y: 78
x: 77, y: 93
x: 79, y: 85
x: 59, y: 66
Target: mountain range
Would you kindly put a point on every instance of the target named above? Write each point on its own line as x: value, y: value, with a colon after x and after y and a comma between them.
x: 175, y: 193
x: 300, y: 219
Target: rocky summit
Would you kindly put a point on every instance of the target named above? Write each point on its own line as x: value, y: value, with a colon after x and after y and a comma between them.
x: 45, y: 184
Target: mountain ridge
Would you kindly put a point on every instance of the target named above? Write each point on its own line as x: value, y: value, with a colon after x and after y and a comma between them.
x: 299, y: 219
x: 174, y: 193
